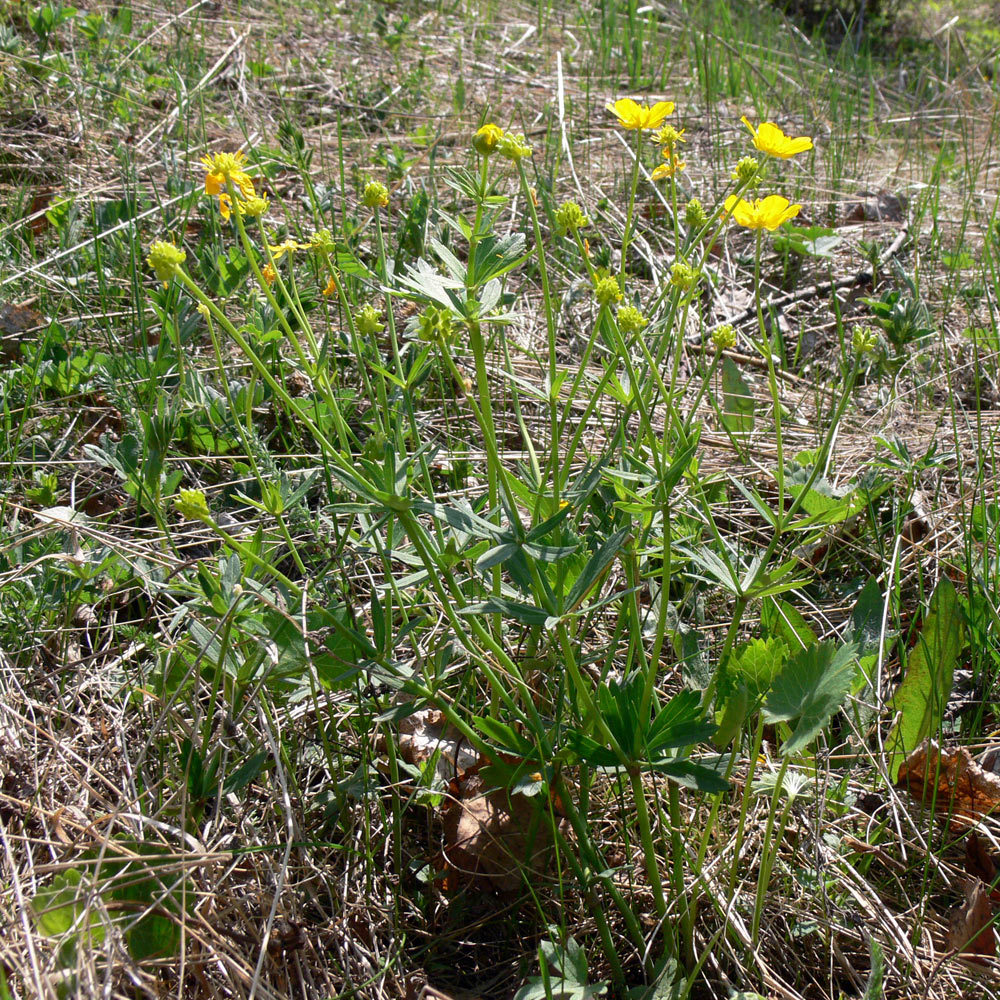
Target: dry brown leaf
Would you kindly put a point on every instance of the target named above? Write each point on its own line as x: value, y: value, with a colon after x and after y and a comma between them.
x: 952, y: 782
x: 424, y: 733
x: 979, y: 864
x: 492, y: 836
x: 969, y: 930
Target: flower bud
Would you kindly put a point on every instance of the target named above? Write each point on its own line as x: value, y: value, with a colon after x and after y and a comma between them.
x: 376, y: 195
x: 486, y: 140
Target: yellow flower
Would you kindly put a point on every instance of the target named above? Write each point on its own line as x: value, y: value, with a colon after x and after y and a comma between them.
x: 771, y: 140
x: 268, y: 274
x: 673, y: 165
x: 222, y: 167
x: 331, y: 287
x: 762, y: 213
x: 286, y: 246
x: 485, y: 141
x: 637, y: 116
x: 225, y: 205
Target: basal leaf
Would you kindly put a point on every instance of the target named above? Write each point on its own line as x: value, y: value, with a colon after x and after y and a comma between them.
x: 923, y: 694
x: 810, y: 689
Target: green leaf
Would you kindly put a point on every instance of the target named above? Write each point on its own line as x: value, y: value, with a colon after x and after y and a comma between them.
x: 691, y: 775
x: 781, y: 620
x: 867, y: 618
x: 598, y: 564
x: 756, y: 663
x: 526, y: 614
x: 810, y: 689
x: 738, y: 404
x: 923, y: 694
x: 679, y: 724
x: 504, y: 736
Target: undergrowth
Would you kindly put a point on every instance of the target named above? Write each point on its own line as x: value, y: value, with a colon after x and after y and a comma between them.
x: 470, y: 532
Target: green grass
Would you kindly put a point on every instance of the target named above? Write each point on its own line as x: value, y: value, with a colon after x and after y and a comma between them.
x: 502, y: 599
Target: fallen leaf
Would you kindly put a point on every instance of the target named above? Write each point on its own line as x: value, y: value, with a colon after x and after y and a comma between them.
x: 425, y: 733
x: 492, y: 838
x: 978, y: 862
x: 970, y: 931
x: 950, y: 781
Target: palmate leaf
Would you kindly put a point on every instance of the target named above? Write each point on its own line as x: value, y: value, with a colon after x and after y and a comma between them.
x: 810, y: 689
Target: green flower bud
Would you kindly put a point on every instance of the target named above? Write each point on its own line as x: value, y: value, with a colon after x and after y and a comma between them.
x: 607, y: 291
x: 192, y: 506
x: 863, y: 340
x: 695, y: 216
x: 165, y: 259
x: 724, y: 337
x: 367, y: 321
x: 514, y: 147
x: 683, y: 276
x: 630, y: 320
x: 435, y: 325
x: 376, y: 195
x: 570, y: 218
x: 746, y: 170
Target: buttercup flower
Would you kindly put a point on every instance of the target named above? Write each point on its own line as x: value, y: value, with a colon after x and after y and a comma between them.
x: 724, y: 337
x: 165, y: 259
x: 331, y: 287
x: 222, y: 167
x: 607, y: 291
x: 192, y: 505
x: 771, y: 140
x: 746, y: 170
x: 630, y: 320
x: 570, y: 218
x: 762, y: 213
x: 286, y: 246
x: 514, y: 147
x: 673, y: 165
x: 376, y: 195
x: 268, y: 274
x: 637, y: 116
x: 225, y: 205
x: 487, y: 138
x: 367, y: 320
x: 695, y: 215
